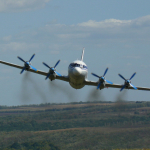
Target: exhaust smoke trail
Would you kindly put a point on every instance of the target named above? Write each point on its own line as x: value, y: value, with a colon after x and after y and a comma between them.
x: 120, y: 101
x: 25, y: 94
x: 95, y: 95
x: 63, y: 88
x: 32, y: 88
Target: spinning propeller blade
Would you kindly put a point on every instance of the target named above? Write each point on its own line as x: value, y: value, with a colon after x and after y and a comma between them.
x: 133, y: 75
x: 32, y: 57
x: 95, y: 75
x: 33, y: 68
x: 133, y: 86
x: 105, y: 72
x: 27, y: 64
x: 48, y: 75
x: 99, y: 85
x: 57, y: 63
x: 109, y: 82
x: 22, y: 70
x: 102, y: 79
x: 127, y: 82
x: 46, y: 65
x: 122, y: 77
x: 21, y: 59
x: 58, y: 73
x: 122, y: 87
x: 51, y: 70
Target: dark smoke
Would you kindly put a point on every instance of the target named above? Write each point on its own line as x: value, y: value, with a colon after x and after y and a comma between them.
x: 95, y: 96
x: 25, y: 94
x: 121, y: 102
x: 57, y: 87
x: 32, y: 88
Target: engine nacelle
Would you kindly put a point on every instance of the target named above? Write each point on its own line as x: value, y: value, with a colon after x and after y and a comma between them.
x: 102, y: 85
x: 27, y: 65
x: 52, y: 76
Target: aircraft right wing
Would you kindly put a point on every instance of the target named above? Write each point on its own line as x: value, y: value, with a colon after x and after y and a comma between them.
x: 93, y: 83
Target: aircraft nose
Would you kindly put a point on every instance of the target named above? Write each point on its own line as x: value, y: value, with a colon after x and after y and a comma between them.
x: 77, y: 71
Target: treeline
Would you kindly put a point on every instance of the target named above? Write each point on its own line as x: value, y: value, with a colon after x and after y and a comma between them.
x: 76, y: 117
x: 113, y: 105
x: 89, y: 102
x: 34, y: 125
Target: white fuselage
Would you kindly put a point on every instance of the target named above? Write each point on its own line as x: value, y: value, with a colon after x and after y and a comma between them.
x: 77, y: 72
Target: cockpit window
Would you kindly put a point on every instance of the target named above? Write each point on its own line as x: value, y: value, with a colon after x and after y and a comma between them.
x: 78, y: 65
x: 74, y: 65
x: 85, y: 67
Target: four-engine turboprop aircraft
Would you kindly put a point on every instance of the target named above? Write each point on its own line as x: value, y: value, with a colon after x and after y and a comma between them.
x: 77, y: 75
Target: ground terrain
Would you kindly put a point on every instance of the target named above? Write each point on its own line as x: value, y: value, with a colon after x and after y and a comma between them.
x: 76, y: 126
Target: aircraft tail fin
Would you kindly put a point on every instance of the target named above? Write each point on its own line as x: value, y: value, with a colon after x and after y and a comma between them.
x: 82, y: 54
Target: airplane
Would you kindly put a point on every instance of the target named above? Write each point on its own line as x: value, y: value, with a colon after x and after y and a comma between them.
x: 77, y: 75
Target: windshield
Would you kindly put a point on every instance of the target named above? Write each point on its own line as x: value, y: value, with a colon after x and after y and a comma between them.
x: 78, y: 65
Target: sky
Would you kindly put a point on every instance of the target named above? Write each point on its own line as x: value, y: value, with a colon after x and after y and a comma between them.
x: 115, y: 34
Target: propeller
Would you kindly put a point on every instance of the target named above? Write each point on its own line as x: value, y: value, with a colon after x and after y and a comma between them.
x: 127, y: 82
x: 52, y: 70
x: 102, y: 79
x: 27, y: 64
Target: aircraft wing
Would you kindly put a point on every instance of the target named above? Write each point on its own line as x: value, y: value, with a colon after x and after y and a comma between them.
x: 64, y: 78
x: 93, y: 83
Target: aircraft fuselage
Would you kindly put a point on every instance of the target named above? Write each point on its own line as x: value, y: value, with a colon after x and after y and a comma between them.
x: 77, y: 72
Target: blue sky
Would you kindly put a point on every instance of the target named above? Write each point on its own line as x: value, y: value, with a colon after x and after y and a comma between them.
x: 115, y: 34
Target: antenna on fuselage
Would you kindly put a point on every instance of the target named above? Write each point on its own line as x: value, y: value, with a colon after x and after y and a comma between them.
x: 82, y: 54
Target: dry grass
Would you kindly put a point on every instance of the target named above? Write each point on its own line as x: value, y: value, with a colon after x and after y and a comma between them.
x: 99, y: 129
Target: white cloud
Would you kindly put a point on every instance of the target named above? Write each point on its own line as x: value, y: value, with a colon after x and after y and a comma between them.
x: 133, y: 57
x: 7, y: 38
x: 18, y: 46
x: 108, y: 23
x: 110, y: 29
x: 113, y: 23
x: 21, y: 5
x: 107, y: 33
x: 141, y: 22
x: 67, y: 36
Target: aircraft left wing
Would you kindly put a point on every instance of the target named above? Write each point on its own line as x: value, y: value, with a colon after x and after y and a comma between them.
x: 64, y: 78
x: 93, y: 83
